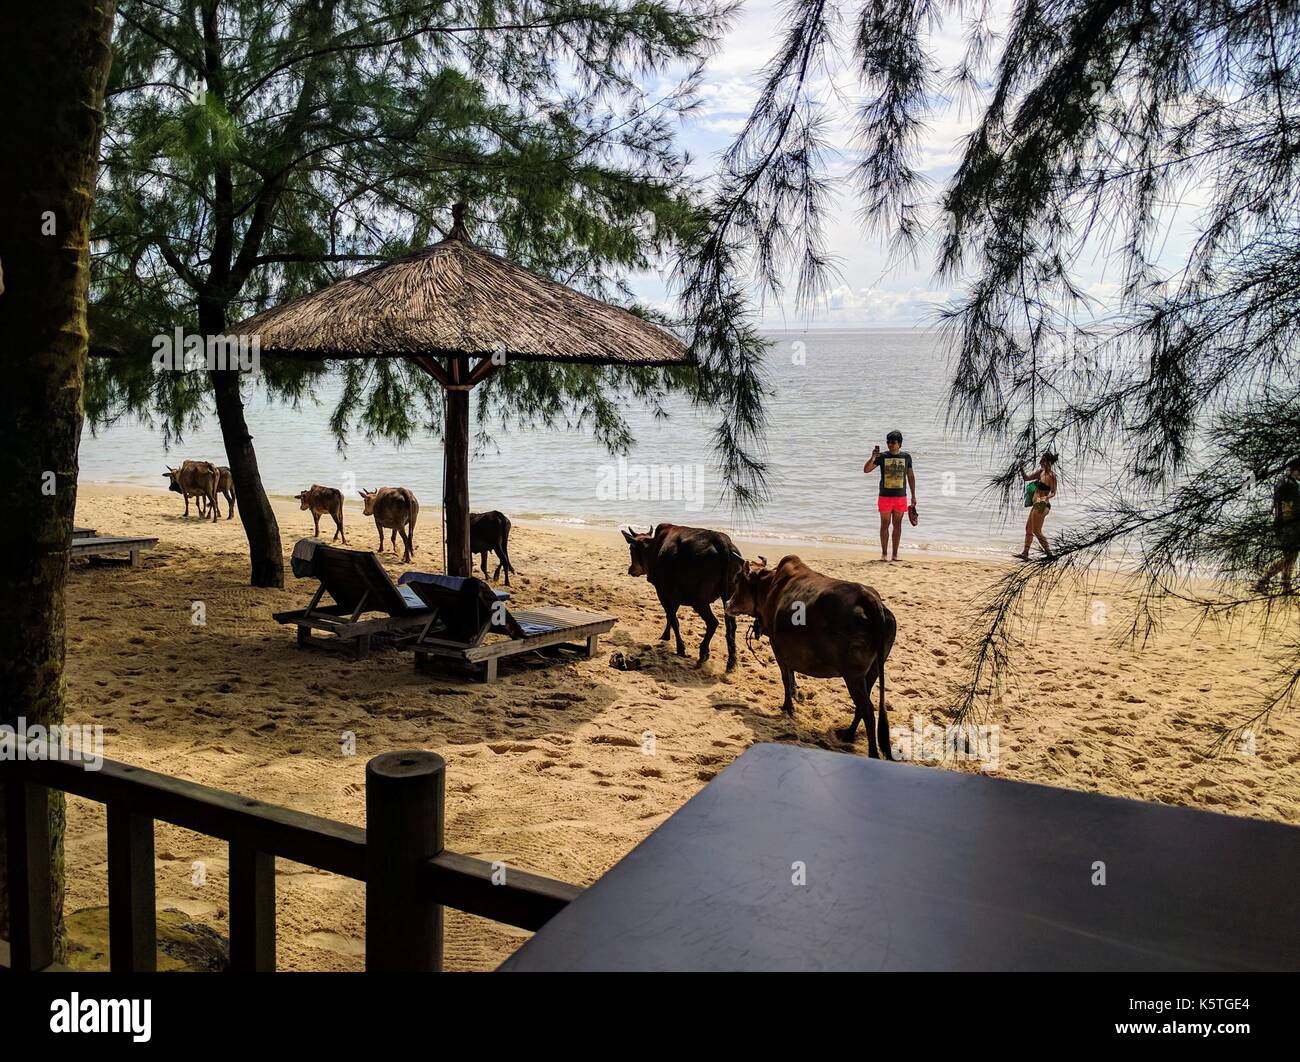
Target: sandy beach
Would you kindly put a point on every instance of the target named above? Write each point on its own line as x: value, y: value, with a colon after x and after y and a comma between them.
x: 547, y: 768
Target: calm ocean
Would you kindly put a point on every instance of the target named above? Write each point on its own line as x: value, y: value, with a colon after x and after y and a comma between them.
x: 836, y: 394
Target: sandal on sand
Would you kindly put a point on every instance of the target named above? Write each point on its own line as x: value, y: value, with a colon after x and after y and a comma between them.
x: 1021, y: 556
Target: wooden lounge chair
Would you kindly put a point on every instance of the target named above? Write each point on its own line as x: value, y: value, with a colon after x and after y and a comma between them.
x: 358, y: 584
x: 467, y: 611
x: 86, y: 543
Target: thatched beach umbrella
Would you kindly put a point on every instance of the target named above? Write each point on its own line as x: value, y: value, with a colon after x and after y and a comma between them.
x: 459, y: 313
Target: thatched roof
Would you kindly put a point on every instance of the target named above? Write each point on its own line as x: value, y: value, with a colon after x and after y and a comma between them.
x: 456, y: 298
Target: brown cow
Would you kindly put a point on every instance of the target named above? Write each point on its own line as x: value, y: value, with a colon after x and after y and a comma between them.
x: 395, y: 508
x: 824, y: 627
x: 491, y: 531
x: 688, y: 566
x: 324, y: 501
x: 226, y: 486
x: 196, y: 479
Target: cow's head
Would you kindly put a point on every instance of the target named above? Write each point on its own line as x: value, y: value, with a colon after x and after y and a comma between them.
x: 749, y: 589
x: 304, y: 499
x: 368, y: 498
x: 175, y: 483
x: 641, y: 546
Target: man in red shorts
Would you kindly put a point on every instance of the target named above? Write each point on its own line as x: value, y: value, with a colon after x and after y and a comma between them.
x: 896, y: 476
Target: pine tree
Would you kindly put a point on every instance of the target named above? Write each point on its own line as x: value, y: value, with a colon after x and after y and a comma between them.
x: 255, y: 150
x: 1095, y: 120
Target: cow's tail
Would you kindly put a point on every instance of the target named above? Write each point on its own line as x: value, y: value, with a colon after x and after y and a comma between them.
x: 413, y: 510
x: 505, y: 544
x: 882, y: 649
x: 886, y: 621
x: 732, y: 565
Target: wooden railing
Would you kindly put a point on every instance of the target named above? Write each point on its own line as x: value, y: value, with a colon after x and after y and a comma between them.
x: 409, y: 875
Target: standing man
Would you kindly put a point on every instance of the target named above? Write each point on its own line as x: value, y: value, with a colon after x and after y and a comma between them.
x: 1286, y: 527
x: 896, y: 476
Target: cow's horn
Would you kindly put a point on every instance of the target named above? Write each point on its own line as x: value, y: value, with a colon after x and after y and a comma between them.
x: 762, y: 560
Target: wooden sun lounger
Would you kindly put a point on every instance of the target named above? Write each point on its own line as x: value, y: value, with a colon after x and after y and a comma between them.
x: 85, y: 543
x: 358, y: 584
x: 467, y: 611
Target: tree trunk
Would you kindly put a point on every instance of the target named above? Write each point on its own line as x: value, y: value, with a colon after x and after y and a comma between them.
x: 456, y: 456
x: 52, y: 82
x: 265, y: 555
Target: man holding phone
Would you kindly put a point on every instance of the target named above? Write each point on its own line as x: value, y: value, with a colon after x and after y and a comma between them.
x: 896, y: 476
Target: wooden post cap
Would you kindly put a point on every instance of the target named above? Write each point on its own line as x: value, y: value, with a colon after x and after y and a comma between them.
x: 391, y: 766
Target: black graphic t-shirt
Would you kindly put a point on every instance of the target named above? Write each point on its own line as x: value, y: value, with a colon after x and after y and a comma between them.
x: 1286, y: 499
x: 893, y: 473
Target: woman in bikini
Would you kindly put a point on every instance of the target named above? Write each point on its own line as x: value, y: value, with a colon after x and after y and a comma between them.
x: 1044, y: 480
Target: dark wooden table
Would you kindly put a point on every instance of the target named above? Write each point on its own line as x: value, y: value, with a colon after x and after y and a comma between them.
x: 913, y: 868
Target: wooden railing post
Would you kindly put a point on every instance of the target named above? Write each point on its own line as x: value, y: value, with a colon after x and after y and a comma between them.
x: 252, y: 910
x: 132, y: 914
x: 27, y: 847
x: 404, y: 818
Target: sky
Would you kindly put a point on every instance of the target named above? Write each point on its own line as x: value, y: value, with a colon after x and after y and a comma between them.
x: 872, y: 288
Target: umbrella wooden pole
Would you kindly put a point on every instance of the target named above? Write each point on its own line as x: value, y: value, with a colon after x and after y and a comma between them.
x: 456, y: 456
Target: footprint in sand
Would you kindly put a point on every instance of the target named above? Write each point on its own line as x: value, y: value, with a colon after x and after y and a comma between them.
x: 511, y: 746
x: 351, y: 947
x: 614, y: 739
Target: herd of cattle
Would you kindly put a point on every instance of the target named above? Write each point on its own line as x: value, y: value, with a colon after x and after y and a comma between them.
x: 206, y: 482
x: 394, y: 509
x: 817, y: 625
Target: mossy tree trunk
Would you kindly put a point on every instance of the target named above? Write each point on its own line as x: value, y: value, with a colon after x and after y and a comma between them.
x: 52, y: 83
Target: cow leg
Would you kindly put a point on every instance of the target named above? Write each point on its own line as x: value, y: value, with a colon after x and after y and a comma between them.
x: 670, y: 610
x: 216, y: 506
x: 504, y: 554
x: 882, y: 736
x: 730, y: 628
x: 503, y: 564
x: 187, y: 506
x: 876, y: 674
x: 315, y: 525
x: 406, y: 541
x: 860, y: 690
x: 482, y: 563
x: 710, y: 625
x: 381, y: 534
x: 787, y: 680
x: 230, y: 504
x: 338, y: 533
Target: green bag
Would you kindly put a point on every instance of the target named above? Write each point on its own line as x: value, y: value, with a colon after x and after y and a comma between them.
x: 1030, y: 487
